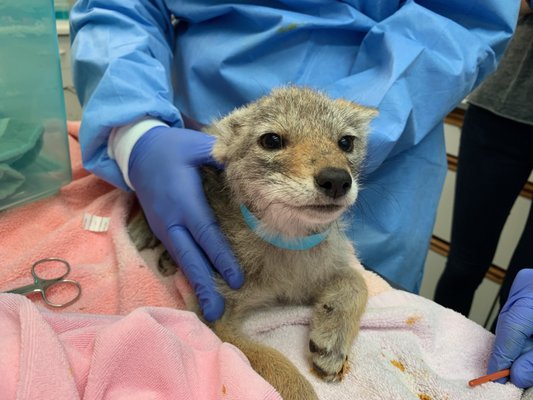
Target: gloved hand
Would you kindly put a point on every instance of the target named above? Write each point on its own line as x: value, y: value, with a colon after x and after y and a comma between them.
x: 512, y: 346
x: 164, y: 171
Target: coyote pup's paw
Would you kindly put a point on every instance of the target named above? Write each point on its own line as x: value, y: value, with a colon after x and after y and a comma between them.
x: 329, y: 346
x: 140, y: 233
x: 166, y: 265
x: 329, y: 365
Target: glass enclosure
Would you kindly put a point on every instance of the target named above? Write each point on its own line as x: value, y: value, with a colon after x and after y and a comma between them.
x: 34, y: 157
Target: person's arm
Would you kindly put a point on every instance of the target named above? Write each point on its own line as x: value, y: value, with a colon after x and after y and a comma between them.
x: 513, y: 346
x: 418, y: 63
x: 122, y: 61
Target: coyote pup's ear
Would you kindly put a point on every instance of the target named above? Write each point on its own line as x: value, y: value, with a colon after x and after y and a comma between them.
x: 227, y: 130
x: 359, y: 116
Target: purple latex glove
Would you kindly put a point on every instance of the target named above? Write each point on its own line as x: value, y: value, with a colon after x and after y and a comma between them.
x: 164, y: 171
x: 513, y: 343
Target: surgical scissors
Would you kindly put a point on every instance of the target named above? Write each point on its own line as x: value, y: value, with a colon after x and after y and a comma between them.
x: 43, y: 286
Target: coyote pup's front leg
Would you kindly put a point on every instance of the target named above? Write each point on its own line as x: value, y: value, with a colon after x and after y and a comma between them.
x: 336, y: 316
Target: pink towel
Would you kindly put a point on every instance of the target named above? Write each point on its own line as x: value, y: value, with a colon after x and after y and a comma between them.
x: 152, y: 353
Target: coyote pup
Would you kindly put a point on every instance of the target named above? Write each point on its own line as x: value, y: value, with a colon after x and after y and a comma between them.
x: 292, y: 160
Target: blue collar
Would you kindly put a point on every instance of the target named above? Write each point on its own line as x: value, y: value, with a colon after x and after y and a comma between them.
x: 300, y: 243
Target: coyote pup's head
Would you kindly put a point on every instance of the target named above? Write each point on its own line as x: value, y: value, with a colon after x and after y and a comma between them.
x: 293, y: 157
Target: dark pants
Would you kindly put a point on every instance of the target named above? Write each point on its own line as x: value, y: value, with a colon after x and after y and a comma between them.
x: 495, y: 160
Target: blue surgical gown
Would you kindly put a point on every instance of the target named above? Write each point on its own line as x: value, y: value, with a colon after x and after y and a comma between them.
x: 413, y: 60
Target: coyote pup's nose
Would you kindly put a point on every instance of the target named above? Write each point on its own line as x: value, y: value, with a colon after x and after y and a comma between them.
x: 333, y: 182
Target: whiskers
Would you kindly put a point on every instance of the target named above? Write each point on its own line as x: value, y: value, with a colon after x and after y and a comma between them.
x: 365, y: 206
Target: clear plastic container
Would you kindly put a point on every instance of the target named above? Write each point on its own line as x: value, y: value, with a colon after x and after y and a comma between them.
x: 34, y: 157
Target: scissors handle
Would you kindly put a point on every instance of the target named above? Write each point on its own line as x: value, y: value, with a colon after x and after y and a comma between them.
x: 50, y: 284
x: 43, y: 286
x: 50, y: 260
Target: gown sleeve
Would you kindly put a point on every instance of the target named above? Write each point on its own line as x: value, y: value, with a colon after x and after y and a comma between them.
x: 122, y: 63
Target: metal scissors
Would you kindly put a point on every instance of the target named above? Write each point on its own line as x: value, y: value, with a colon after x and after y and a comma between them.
x: 43, y: 286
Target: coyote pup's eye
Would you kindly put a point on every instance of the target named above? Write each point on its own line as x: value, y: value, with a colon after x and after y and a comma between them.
x: 346, y: 143
x: 271, y: 141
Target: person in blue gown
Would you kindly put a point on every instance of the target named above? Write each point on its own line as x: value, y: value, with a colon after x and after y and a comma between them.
x: 150, y: 74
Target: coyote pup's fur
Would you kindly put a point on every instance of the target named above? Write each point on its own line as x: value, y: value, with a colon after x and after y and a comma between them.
x: 293, y: 159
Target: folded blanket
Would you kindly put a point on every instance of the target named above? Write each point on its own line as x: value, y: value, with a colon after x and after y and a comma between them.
x: 152, y: 353
x: 114, y: 343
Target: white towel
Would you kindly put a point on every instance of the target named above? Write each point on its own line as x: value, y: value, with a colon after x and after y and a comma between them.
x: 409, y: 348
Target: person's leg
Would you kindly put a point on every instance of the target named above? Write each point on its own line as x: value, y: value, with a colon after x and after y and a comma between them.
x: 491, y: 172
x: 522, y: 258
